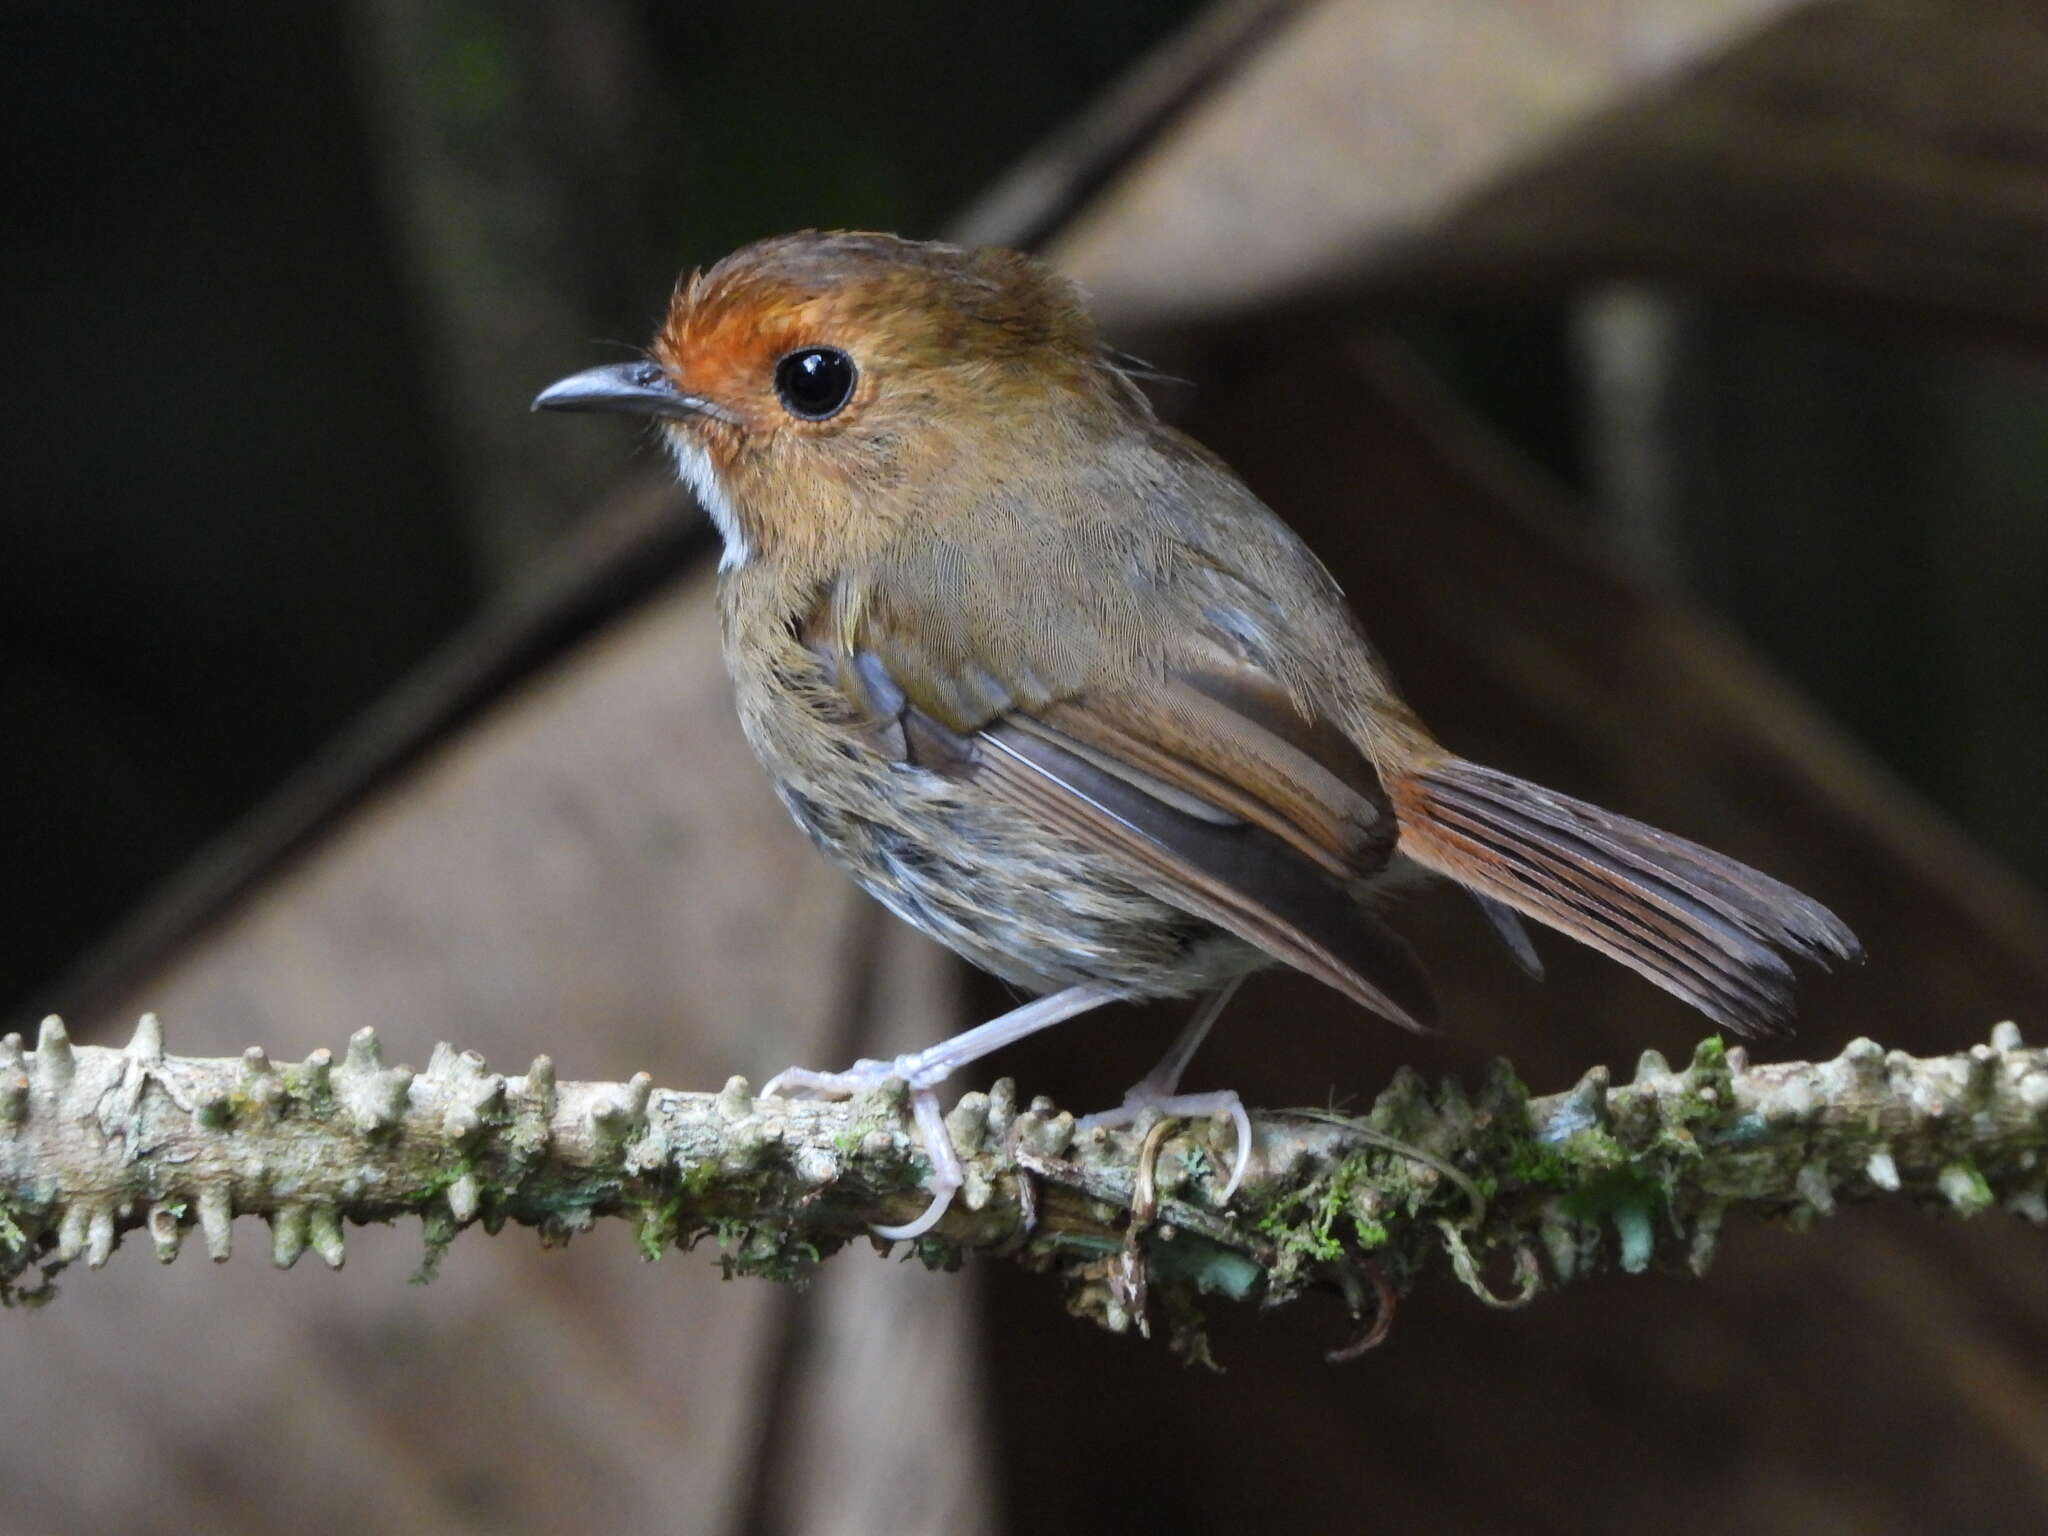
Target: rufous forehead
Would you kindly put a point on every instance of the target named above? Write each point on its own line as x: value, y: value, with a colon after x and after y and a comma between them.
x: 892, y: 305
x: 721, y: 342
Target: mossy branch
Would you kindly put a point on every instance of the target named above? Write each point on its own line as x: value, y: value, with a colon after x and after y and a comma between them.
x: 97, y: 1142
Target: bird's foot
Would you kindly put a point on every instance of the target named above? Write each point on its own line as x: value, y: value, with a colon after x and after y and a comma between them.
x: 1148, y: 1095
x: 921, y: 1078
x: 923, y: 1071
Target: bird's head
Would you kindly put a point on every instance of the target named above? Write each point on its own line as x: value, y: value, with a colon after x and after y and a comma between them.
x: 831, y: 388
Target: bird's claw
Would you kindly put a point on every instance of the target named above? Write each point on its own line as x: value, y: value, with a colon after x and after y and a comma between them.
x: 923, y: 1071
x: 1185, y: 1106
x: 857, y: 1079
x: 864, y: 1076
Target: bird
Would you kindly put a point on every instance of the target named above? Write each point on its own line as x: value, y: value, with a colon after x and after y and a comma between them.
x: 1055, y: 687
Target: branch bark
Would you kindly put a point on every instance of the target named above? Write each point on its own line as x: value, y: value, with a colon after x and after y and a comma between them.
x: 97, y: 1142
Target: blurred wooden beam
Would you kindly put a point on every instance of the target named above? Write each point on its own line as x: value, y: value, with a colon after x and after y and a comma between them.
x: 1874, y: 157
x: 1341, y: 143
x: 1880, y: 157
x: 1035, y: 199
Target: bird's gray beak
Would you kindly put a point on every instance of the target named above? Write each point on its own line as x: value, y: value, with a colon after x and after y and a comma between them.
x: 630, y: 389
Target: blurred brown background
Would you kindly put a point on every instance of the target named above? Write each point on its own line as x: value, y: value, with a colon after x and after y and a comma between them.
x: 1663, y: 380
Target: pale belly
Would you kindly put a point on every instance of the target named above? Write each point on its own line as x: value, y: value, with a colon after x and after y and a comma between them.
x: 1021, y: 903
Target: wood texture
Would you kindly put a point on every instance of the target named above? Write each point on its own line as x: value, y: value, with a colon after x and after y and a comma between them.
x: 1345, y: 140
x: 1884, y: 155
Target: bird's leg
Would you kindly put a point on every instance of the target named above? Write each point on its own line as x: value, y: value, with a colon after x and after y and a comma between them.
x: 1159, y: 1088
x: 923, y: 1071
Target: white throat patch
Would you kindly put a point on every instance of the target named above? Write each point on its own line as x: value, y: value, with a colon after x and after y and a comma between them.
x: 694, y: 468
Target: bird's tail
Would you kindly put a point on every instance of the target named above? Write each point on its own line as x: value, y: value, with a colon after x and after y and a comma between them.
x: 1703, y: 927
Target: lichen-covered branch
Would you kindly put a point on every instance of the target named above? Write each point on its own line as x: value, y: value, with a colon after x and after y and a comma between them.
x: 97, y: 1142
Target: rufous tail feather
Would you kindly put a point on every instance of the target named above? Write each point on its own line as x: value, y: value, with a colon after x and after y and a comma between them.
x: 1700, y: 925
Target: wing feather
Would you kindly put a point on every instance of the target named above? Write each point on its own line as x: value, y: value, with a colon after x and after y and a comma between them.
x: 1211, y: 789
x: 1237, y: 876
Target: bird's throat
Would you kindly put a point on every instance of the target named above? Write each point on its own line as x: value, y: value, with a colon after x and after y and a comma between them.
x: 696, y: 470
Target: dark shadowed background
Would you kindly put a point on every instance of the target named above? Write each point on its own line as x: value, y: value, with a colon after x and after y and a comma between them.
x: 1665, y: 382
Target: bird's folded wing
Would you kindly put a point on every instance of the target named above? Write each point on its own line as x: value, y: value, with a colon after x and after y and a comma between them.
x: 1210, y: 789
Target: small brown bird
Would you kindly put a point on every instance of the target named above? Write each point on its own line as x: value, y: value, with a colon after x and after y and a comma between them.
x: 1058, y: 690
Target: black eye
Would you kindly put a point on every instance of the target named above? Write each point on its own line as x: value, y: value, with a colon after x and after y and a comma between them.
x: 815, y: 382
